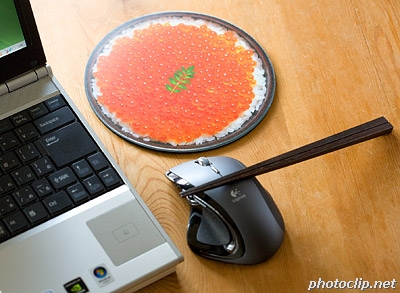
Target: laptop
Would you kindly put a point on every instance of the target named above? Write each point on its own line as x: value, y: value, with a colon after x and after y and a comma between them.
x: 70, y: 221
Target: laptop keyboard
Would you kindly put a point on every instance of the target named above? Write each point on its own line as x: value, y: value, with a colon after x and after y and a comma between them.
x: 49, y: 164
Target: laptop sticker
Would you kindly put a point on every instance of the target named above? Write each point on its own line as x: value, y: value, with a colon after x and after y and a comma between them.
x: 76, y: 286
x: 102, y: 275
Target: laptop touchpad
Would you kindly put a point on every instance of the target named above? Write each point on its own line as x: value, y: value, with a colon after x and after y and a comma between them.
x: 125, y: 232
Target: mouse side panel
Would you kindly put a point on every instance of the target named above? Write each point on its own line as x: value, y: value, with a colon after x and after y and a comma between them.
x: 209, y: 236
x: 252, y: 213
x: 271, y: 204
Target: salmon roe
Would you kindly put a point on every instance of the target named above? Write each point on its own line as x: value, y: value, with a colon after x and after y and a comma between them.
x: 132, y: 81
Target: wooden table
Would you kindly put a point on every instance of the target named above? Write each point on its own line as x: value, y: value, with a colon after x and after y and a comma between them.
x: 337, y: 65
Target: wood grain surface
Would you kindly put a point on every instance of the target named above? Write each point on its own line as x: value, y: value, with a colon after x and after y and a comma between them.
x: 337, y: 65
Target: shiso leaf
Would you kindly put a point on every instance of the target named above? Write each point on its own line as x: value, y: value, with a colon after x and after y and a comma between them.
x: 181, y: 78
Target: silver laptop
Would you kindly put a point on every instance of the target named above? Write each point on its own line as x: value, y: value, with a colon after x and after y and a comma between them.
x: 69, y: 219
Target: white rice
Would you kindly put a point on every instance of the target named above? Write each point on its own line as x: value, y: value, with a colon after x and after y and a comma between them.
x: 259, y: 89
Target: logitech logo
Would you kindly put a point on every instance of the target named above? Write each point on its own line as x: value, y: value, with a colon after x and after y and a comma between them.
x: 237, y: 195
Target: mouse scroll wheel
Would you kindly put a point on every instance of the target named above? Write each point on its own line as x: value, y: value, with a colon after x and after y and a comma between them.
x: 202, y: 161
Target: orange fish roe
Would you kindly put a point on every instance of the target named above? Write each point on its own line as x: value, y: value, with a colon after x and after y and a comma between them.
x: 132, y: 81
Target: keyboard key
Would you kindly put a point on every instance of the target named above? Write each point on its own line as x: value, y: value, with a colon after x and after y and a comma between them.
x: 68, y: 144
x: 78, y: 193
x: 82, y: 169
x: 94, y: 186
x: 55, y: 103
x: 109, y: 178
x: 42, y: 166
x: 7, y: 205
x: 54, y: 120
x: 5, y: 125
x: 98, y: 161
x: 42, y: 187
x: 4, y: 235
x: 24, y: 196
x: 23, y: 175
x: 8, y: 162
x: 38, y: 110
x: 62, y: 178
x: 28, y: 153
x: 16, y: 222
x: 58, y: 203
x: 20, y: 118
x: 27, y: 132
x: 36, y: 213
x: 6, y: 184
x: 8, y: 141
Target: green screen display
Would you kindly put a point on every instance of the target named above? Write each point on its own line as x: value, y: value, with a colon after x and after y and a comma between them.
x: 11, y: 35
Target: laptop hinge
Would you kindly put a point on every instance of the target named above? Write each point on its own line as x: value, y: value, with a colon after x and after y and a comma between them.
x: 24, y: 79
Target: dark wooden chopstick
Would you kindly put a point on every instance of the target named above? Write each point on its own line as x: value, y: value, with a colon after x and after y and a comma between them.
x: 363, y: 132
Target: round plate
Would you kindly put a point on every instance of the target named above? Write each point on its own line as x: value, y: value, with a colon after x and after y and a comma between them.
x: 252, y: 122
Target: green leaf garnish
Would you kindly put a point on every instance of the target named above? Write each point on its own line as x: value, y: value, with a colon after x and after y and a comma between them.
x: 181, y: 78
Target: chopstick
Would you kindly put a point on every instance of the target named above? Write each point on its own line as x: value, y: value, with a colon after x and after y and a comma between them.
x: 355, y: 135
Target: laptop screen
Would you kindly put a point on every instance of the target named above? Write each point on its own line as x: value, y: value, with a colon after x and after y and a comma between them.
x: 20, y: 46
x: 12, y: 38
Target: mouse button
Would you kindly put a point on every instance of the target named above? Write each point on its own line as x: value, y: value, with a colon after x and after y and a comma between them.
x: 181, y: 168
x: 182, y: 183
x: 194, y: 173
x: 212, y: 229
x: 226, y: 165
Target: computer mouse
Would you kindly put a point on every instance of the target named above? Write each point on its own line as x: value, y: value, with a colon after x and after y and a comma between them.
x: 236, y: 223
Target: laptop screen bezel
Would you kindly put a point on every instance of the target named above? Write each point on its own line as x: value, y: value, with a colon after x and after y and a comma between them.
x: 30, y: 57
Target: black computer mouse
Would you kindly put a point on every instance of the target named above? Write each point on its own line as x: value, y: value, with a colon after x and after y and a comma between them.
x: 236, y: 223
